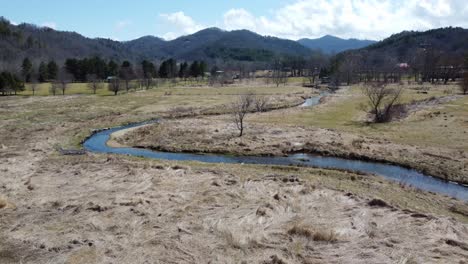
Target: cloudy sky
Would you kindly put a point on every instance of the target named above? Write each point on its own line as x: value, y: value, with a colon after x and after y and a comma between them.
x: 293, y: 19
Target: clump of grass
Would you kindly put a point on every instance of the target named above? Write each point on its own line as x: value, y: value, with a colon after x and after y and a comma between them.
x: 377, y: 203
x: 274, y: 260
x: 231, y: 240
x: 357, y: 143
x: 300, y: 230
x: 3, y: 204
x: 325, y: 235
x: 459, y: 210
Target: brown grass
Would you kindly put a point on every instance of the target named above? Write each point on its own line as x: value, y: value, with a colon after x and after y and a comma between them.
x: 324, y: 235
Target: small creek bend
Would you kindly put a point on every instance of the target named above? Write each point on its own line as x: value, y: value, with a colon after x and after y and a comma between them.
x: 98, y: 143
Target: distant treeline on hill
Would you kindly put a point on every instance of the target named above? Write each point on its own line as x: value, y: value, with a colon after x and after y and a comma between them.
x: 82, y: 70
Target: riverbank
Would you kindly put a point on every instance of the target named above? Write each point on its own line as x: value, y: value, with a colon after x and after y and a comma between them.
x: 219, y: 135
x: 104, y: 208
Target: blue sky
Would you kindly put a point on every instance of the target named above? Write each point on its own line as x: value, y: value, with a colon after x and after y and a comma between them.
x: 294, y: 19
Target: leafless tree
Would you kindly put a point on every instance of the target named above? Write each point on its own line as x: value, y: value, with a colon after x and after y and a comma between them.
x: 94, y: 83
x: 114, y: 85
x: 279, y: 75
x: 382, y: 100
x: 34, y: 86
x: 126, y: 73
x: 63, y: 79
x: 148, y: 83
x: 240, y: 107
x: 54, y: 87
x: 464, y: 83
x: 260, y: 103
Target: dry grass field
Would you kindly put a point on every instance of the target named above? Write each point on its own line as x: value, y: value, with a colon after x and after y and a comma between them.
x: 100, y: 208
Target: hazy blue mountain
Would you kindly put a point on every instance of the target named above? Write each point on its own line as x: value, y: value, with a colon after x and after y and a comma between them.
x: 330, y: 44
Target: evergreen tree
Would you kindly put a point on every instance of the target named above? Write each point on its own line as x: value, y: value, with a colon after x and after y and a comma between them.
x: 72, y: 67
x: 149, y: 70
x: 43, y: 73
x: 202, y: 68
x: 195, y: 69
x: 52, y: 70
x: 163, y: 70
x: 26, y: 69
x: 173, y: 70
x: 10, y: 83
x: 112, y: 68
x: 183, y: 70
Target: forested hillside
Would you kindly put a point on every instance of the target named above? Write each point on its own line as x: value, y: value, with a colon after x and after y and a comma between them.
x: 443, y: 46
x: 43, y: 44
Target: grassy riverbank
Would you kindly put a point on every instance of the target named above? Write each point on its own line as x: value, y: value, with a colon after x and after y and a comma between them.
x: 97, y: 208
x: 431, y: 138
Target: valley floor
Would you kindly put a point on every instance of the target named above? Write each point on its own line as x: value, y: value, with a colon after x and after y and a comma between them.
x: 97, y: 208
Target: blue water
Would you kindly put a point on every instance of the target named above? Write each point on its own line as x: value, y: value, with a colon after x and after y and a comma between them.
x: 98, y: 143
x: 314, y: 100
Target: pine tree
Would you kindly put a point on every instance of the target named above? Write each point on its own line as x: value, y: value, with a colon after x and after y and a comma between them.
x: 26, y: 69
x: 43, y: 72
x: 194, y: 69
x: 52, y: 70
x: 112, y: 69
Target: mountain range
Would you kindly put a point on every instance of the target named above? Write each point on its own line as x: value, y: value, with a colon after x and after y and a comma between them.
x: 211, y: 44
x: 331, y: 44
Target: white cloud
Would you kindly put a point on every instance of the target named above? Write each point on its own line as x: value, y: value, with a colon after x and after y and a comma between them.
x: 52, y: 25
x: 120, y: 25
x: 373, y: 19
x: 181, y: 24
x: 239, y: 19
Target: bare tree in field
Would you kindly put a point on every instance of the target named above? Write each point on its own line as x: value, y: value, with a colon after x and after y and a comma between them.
x: 94, y: 83
x: 260, y: 103
x: 54, y: 87
x: 63, y: 79
x: 464, y: 83
x: 114, y: 85
x: 279, y: 76
x: 34, y: 86
x: 382, y: 100
x: 240, y: 108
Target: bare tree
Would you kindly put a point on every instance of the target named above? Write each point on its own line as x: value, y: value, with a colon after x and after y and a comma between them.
x: 114, y: 85
x: 260, y: 103
x: 382, y: 100
x: 34, y: 86
x: 240, y: 108
x: 63, y: 80
x: 279, y: 74
x: 464, y: 83
x: 54, y: 87
x: 94, y: 83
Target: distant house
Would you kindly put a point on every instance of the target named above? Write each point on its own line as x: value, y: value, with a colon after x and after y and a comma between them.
x: 403, y: 65
x: 110, y: 78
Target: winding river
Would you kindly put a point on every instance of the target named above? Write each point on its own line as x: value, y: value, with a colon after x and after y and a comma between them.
x: 98, y: 143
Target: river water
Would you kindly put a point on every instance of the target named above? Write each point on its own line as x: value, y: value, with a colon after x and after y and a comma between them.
x: 98, y: 143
